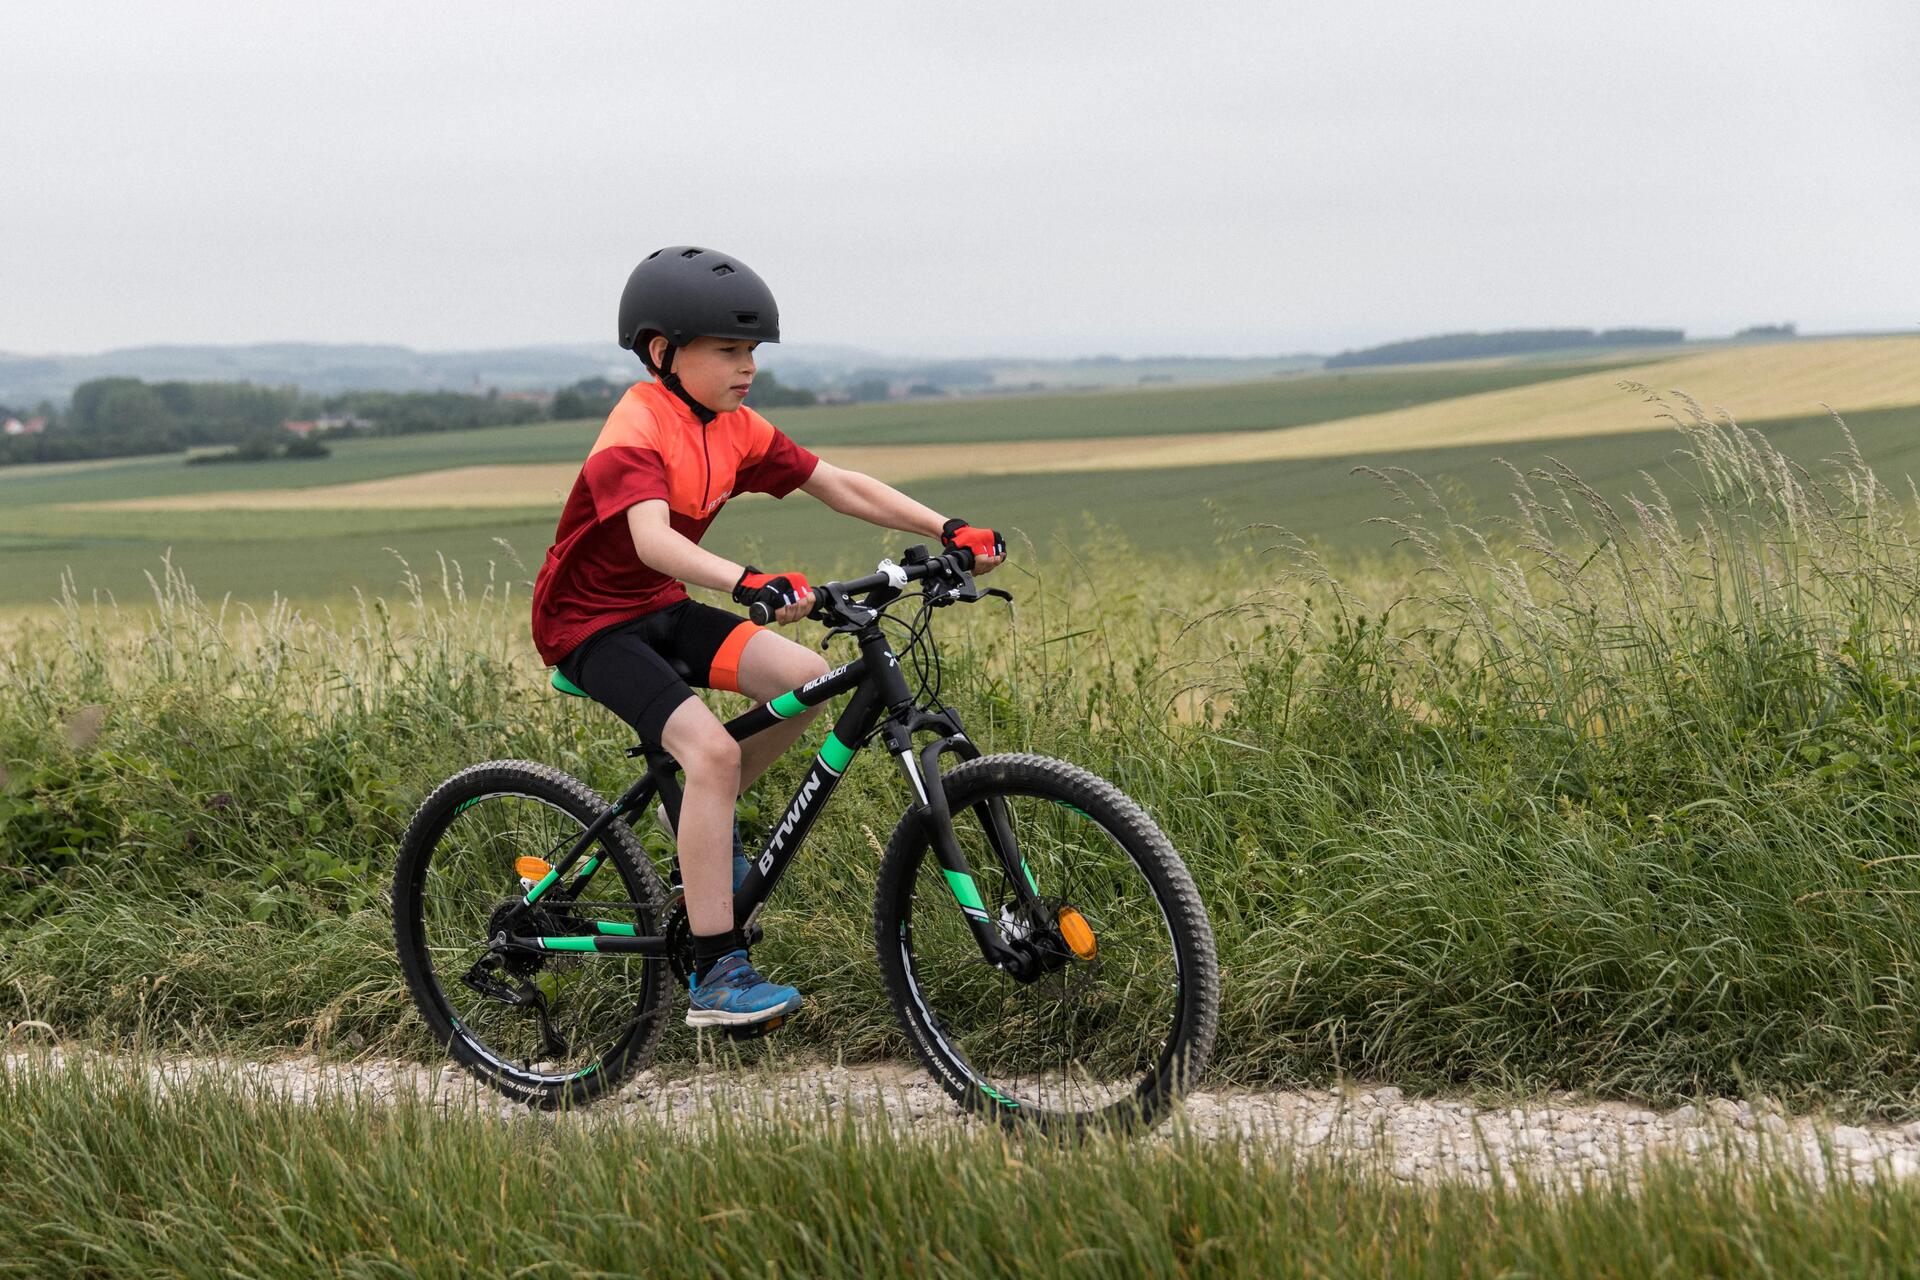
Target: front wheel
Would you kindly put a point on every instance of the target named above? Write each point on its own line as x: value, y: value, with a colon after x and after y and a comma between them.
x: 1116, y: 1013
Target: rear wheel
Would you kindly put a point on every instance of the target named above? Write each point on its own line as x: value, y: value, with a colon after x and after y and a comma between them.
x: 1119, y: 1010
x: 550, y: 1029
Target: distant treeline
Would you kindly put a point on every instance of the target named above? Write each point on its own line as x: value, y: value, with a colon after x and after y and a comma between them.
x: 122, y: 417
x: 1507, y: 342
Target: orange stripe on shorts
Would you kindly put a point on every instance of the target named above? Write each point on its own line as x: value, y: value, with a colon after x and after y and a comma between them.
x: 724, y: 672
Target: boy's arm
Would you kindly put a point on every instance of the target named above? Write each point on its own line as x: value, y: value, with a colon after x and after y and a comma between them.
x: 674, y: 554
x: 678, y: 556
x: 854, y: 493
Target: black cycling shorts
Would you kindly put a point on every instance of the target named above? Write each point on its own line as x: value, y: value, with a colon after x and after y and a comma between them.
x: 625, y: 667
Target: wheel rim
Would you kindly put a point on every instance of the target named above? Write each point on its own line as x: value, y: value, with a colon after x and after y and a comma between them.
x: 591, y: 1004
x: 1094, y: 1034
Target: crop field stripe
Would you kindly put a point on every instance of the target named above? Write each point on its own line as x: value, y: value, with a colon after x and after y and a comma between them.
x: 1763, y: 382
x: 1182, y: 511
x: 970, y: 422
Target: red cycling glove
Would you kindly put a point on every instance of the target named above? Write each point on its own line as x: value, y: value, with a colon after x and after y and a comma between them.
x: 775, y: 590
x: 956, y: 534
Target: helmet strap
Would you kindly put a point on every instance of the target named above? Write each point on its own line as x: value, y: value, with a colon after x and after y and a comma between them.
x: 671, y: 381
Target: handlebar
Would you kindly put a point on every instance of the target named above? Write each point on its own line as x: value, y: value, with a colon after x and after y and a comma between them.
x: 955, y: 565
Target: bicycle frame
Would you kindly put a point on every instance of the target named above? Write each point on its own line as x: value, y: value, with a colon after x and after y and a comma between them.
x: 881, y: 701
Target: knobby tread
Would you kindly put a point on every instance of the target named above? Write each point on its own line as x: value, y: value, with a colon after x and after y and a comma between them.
x: 584, y: 804
x: 909, y: 844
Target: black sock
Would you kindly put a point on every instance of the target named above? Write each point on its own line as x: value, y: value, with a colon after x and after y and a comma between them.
x: 708, y: 948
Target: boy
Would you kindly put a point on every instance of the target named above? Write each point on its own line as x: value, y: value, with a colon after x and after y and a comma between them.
x: 610, y: 607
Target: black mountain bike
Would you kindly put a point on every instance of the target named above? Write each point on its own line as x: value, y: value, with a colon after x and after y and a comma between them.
x: 1041, y: 942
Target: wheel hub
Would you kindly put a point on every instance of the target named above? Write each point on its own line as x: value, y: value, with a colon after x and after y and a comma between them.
x: 512, y: 915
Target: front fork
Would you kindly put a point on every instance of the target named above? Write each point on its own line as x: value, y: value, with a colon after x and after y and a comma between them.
x: 921, y: 769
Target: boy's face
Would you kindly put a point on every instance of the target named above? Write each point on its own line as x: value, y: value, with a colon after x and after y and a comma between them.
x: 715, y: 371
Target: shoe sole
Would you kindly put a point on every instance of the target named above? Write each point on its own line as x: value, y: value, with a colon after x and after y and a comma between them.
x: 722, y: 1018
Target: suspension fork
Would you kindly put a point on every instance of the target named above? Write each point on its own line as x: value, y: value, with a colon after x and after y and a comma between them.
x: 922, y: 771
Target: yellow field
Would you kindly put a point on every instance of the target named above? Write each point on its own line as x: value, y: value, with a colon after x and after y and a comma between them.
x: 547, y: 484
x: 1754, y: 383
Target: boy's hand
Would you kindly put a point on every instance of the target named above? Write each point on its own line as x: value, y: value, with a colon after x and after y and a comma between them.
x: 988, y: 547
x: 787, y: 594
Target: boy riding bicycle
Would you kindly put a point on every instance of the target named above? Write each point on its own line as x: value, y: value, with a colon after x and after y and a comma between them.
x: 610, y: 607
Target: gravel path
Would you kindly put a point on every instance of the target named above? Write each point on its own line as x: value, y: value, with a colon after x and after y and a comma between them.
x: 1418, y: 1139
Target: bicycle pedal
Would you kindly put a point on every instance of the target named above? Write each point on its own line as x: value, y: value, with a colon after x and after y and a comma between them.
x: 754, y: 1030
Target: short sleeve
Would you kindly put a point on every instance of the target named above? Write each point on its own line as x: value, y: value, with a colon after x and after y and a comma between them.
x: 621, y: 476
x: 781, y: 469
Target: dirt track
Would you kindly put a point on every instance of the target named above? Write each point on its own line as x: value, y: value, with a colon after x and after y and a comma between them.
x: 1418, y: 1139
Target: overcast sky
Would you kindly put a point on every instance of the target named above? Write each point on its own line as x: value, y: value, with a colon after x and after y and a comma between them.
x: 1054, y: 178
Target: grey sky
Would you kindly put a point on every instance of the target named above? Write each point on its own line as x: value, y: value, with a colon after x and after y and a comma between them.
x: 1054, y: 178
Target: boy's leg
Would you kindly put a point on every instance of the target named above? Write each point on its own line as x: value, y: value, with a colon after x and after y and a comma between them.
x: 769, y: 666
x: 726, y: 990
x: 710, y: 759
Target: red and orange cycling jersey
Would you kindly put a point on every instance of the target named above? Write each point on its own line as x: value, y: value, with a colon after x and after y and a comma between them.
x: 652, y: 447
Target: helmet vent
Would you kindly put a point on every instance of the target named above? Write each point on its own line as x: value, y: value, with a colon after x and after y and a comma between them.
x: 723, y: 270
x: 691, y: 253
x: 656, y: 253
x: 749, y: 318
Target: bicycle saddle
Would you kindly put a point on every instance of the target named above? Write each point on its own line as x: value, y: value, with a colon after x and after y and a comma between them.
x: 565, y: 685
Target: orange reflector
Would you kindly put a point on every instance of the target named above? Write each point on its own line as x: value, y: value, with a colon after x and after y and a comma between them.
x: 531, y: 868
x: 1077, y: 932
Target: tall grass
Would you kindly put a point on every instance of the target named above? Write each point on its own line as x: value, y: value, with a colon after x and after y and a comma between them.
x: 1577, y: 796
x: 99, y: 1174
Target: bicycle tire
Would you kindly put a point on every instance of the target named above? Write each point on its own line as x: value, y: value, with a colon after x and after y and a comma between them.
x: 904, y: 876
x: 629, y: 1049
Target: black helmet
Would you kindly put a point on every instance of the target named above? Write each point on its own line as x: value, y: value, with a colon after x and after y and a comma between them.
x: 686, y: 292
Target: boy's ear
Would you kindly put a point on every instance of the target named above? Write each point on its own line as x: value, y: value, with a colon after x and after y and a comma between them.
x: 656, y: 352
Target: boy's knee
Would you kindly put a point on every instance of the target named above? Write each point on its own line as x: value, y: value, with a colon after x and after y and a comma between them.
x: 705, y: 750
x: 811, y: 666
x: 715, y: 756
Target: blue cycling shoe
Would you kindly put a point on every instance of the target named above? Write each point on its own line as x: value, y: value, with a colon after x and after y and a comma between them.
x: 733, y: 994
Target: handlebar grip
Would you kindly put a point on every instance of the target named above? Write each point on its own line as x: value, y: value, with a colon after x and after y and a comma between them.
x: 760, y: 613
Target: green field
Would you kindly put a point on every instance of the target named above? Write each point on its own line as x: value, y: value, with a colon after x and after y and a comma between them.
x: 1293, y: 401
x: 1246, y: 407
x: 1184, y: 511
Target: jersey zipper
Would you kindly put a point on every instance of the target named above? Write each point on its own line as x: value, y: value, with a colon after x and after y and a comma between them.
x: 706, y: 488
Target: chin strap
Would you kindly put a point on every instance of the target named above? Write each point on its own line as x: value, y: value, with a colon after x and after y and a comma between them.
x: 671, y: 381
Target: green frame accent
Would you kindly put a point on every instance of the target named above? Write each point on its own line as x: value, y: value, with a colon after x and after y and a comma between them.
x: 787, y: 705
x: 834, y: 753
x: 546, y: 883
x: 570, y: 942
x: 965, y: 891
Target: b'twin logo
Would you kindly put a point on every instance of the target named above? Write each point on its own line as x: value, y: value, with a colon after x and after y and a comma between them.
x: 778, y: 840
x: 714, y: 506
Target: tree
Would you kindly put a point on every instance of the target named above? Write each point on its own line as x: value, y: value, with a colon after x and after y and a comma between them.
x: 119, y: 407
